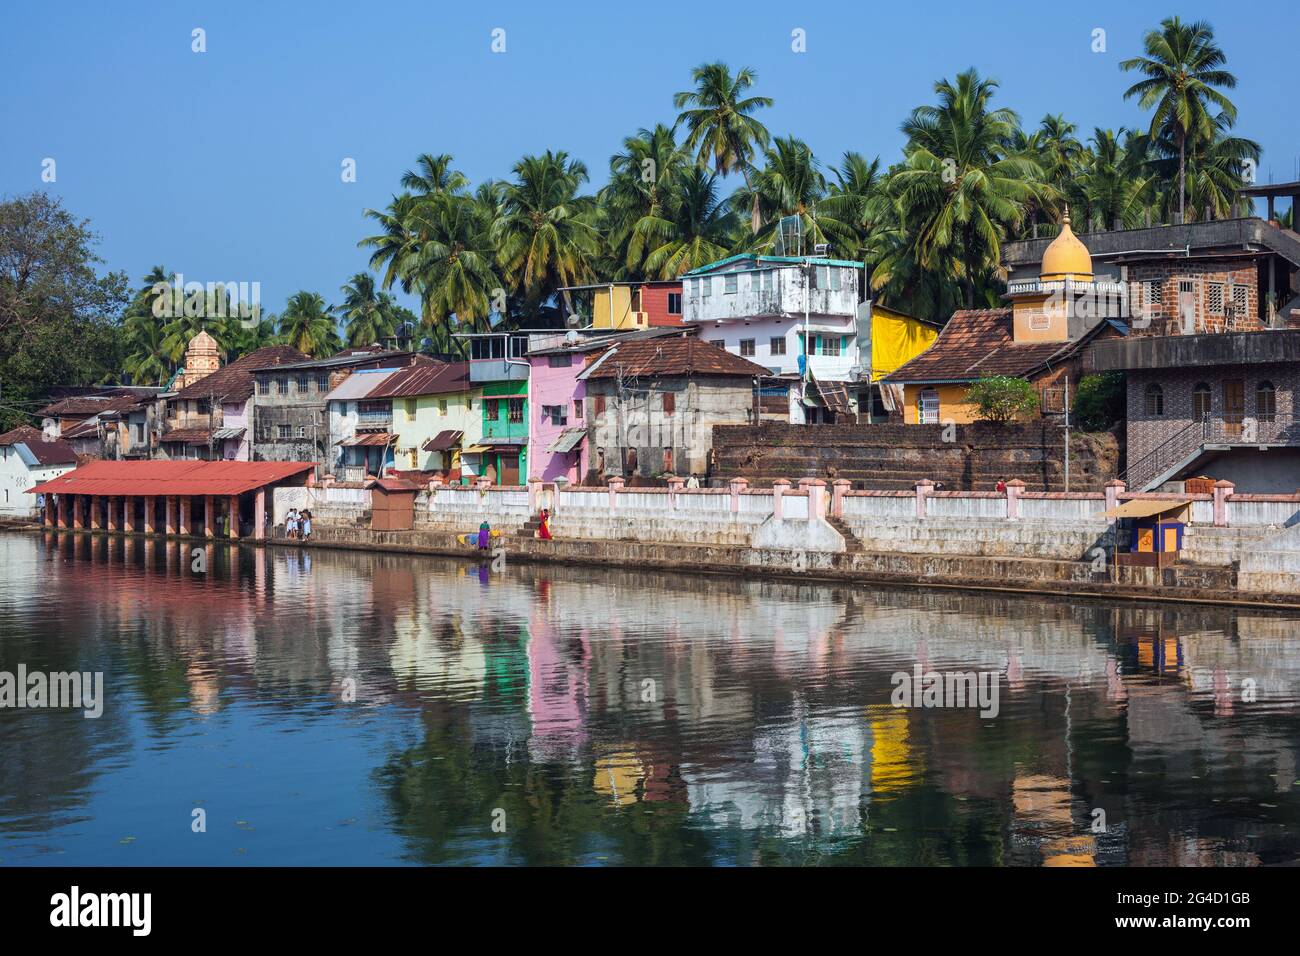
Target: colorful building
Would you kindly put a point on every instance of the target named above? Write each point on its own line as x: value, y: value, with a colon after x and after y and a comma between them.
x: 631, y: 306
x: 499, y: 365
x: 436, y: 414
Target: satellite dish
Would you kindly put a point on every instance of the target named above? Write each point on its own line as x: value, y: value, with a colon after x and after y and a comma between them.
x: 571, y: 337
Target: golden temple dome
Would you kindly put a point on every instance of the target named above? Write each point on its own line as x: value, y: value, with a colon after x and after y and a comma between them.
x: 1067, y: 257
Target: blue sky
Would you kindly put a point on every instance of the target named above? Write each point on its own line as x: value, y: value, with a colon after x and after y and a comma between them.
x: 226, y: 164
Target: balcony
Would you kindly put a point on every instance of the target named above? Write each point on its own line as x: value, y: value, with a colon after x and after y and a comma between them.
x: 1185, y: 448
x: 1150, y: 352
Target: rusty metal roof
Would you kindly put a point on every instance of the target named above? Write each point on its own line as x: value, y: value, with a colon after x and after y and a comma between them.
x: 171, y: 477
x: 367, y: 440
x: 424, y: 380
x: 671, y: 356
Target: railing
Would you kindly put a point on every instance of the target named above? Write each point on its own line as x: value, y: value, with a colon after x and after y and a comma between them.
x: 1210, y: 430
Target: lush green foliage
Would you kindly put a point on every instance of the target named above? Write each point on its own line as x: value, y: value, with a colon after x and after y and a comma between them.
x: 1099, y: 402
x: 1002, y: 398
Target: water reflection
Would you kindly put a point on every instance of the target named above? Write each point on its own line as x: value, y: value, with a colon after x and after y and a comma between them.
x: 330, y: 707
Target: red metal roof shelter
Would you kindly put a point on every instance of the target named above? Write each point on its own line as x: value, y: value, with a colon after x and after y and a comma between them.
x: 163, y: 478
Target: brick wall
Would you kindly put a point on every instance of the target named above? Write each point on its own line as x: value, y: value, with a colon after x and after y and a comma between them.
x: 1227, y: 274
x: 895, y: 457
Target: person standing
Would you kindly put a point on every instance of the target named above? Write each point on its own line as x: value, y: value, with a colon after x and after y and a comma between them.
x: 484, y: 536
x: 544, y: 525
x: 306, y: 525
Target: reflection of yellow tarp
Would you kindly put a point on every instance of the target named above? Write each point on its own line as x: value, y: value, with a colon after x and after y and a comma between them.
x: 896, y: 339
x: 1143, y: 508
x: 617, y: 777
x: 891, y: 751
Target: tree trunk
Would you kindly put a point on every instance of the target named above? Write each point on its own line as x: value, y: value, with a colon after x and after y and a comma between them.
x: 1182, y: 176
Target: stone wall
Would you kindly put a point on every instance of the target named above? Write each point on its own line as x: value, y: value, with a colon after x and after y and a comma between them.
x: 895, y: 457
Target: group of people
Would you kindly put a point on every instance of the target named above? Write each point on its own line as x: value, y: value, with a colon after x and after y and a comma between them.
x: 297, y: 524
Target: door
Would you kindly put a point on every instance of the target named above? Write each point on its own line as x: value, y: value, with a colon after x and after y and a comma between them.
x: 1234, y: 407
x: 509, y: 468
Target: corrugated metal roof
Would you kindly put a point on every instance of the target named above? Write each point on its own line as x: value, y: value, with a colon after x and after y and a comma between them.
x: 568, y: 440
x: 425, y: 380
x: 41, y: 452
x: 368, y: 439
x: 171, y: 477
x: 443, y: 441
x: 359, y: 384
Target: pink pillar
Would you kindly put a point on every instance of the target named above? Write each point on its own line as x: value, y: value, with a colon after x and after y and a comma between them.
x: 96, y: 521
x: 111, y: 513
x: 1223, y: 490
x: 615, y: 486
x: 923, y: 489
x: 78, y: 512
x: 534, y: 494
x: 169, y: 510
x: 839, y: 488
x: 816, y: 489
x: 259, y: 515
x: 48, y: 518
x: 209, y: 510
x: 482, y: 483
x: 737, y: 487
x: 128, y: 513
x: 150, y: 511
x: 233, y: 514
x: 1114, y: 488
x: 1015, y: 488
x: 311, y: 478
x: 185, y: 514
x: 64, y: 501
x: 675, y: 485
x: 779, y: 488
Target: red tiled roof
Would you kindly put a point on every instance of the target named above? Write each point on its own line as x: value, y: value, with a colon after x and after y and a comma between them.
x: 171, y: 477
x: 23, y: 433
x: 979, y: 343
x: 426, y: 379
x: 234, y: 382
x: 394, y: 484
x: 114, y: 400
x: 672, y: 356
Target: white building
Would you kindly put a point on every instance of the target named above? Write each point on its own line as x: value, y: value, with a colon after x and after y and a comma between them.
x: 763, y: 307
x: 26, y: 460
x: 343, y: 405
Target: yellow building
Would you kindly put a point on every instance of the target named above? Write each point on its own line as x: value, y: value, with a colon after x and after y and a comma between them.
x: 436, y: 414
x: 1040, y: 338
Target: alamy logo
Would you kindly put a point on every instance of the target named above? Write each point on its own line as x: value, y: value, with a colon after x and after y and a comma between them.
x: 952, y: 689
x: 58, y: 689
x: 103, y: 909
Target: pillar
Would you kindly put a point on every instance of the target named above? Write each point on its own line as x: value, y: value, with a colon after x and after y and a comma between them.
x: 839, y: 488
x: 169, y: 515
x: 1015, y: 488
x: 65, y: 502
x: 111, y: 514
x: 1222, y: 492
x: 534, y: 494
x: 615, y: 486
x: 737, y: 487
x: 815, y: 488
x: 48, y: 518
x: 259, y: 515
x: 1114, y: 488
x: 234, y: 517
x: 78, y: 512
x: 209, y: 512
x: 150, y: 508
x: 185, y: 514
x: 128, y: 513
x: 675, y: 485
x: 96, y: 513
x: 924, y: 488
x: 779, y: 488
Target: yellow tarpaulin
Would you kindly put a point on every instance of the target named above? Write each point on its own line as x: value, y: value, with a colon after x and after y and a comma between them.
x: 1141, y: 508
x: 896, y: 339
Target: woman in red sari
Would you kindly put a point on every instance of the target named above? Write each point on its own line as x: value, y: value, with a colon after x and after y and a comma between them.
x: 544, y: 527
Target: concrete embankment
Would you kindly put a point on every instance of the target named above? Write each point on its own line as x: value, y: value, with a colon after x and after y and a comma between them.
x: 1188, y: 583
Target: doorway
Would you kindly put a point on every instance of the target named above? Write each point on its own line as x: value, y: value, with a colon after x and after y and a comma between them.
x: 509, y: 468
x: 1234, y: 407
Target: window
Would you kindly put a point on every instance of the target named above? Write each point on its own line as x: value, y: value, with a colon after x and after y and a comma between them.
x: 263, y: 386
x: 1155, y: 400
x: 706, y: 287
x: 1214, y: 298
x: 765, y: 281
x: 284, y: 432
x: 747, y: 347
x: 777, y: 345
x: 720, y: 343
x: 1155, y: 290
x: 598, y: 405
x: 668, y: 460
x: 282, y: 385
x: 577, y: 409
x: 139, y: 433
x: 491, y: 409
x: 304, y: 385
x: 204, y: 406
x: 830, y: 344
x: 674, y: 303
x: 927, y: 407
x: 410, y: 408
x: 555, y: 414
x: 730, y: 283
x: 516, y: 410
x: 670, y: 403
x: 1201, y: 401
x: 302, y: 431
x: 442, y: 406
x: 1240, y: 300
x: 1265, y: 402
x: 323, y: 382
x: 559, y: 361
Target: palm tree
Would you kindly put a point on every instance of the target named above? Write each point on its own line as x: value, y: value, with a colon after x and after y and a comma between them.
x: 719, y: 126
x: 790, y: 184
x: 308, y: 325
x: 368, y: 314
x: 853, y: 202
x: 1182, y: 70
x: 699, y: 231
x: 452, y: 270
x: 433, y: 175
x: 637, y: 204
x: 958, y: 190
x: 1217, y: 174
x: 1109, y: 191
x: 545, y: 237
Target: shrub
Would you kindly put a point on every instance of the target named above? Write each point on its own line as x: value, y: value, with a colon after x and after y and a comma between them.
x: 1100, y: 402
x: 1003, y: 398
